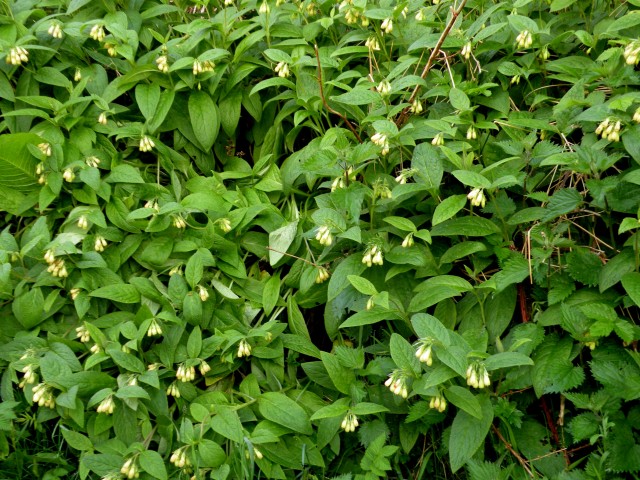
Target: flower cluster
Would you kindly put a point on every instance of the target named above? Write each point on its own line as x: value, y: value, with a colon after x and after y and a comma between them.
x: 244, y: 348
x: 472, y: 133
x: 82, y: 332
x: 631, y: 53
x: 154, y: 328
x: 372, y: 43
x: 107, y: 405
x: 185, y: 374
x: 102, y: 118
x: 45, y: 148
x: 146, y: 144
x: 322, y: 275
x: 162, y: 62
x: 204, y: 368
x: 372, y: 256
x: 636, y: 115
x: 97, y: 32
x: 225, y: 225
x: 438, y: 403
x: 382, y: 190
x: 524, y: 39
x: 609, y: 129
x: 423, y: 352
x: 180, y: 457
x: 544, y: 53
x: 92, y: 161
x: 77, y: 76
x: 438, y: 140
x: 384, y: 88
x: 83, y: 223
x: 466, y: 51
x: 203, y: 293
x: 57, y: 267
x: 179, y: 222
x: 387, y: 25
x: 201, y: 67
x: 100, y: 243
x: 17, y: 56
x: 408, y: 241
x: 416, y: 107
x: 397, y: 383
x: 477, y: 375
x: 112, y: 49
x: 173, y: 390
x: 349, y: 422
x: 404, y: 175
x: 30, y: 376
x: 380, y: 139
x: 130, y: 469
x: 42, y: 396
x: 477, y: 197
x: 324, y: 236
x: 55, y: 30
x: 264, y: 8
x: 68, y: 175
x: 282, y: 69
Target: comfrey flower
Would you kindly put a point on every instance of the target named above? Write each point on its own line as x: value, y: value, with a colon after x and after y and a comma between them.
x: 43, y: 396
x: 30, y: 376
x: 83, y: 333
x: 173, y: 390
x: 179, y: 222
x: 146, y: 144
x: 162, y: 62
x: 45, y: 148
x: 97, y: 32
x: 408, y: 241
x: 202, y: 66
x: 58, y: 269
x: 387, y: 25
x: 322, y: 275
x: 631, y: 53
x: 477, y: 197
x: 324, y: 236
x: 68, y: 175
x: 384, y: 88
x: 419, y: 15
x: 244, y: 349
x: 380, y: 139
x: 92, y: 161
x: 203, y: 293
x: 423, y: 352
x: 17, y: 56
x: 477, y: 375
x: 282, y: 69
x: 73, y: 293
x: 225, y: 225
x: 185, y: 374
x: 466, y: 51
x: 524, y: 39
x: 154, y: 328
x: 83, y: 223
x: 130, y: 469
x: 372, y: 43
x: 77, y: 76
x: 102, y: 118
x: 264, y: 8
x: 472, y: 133
x: 349, y: 422
x: 416, y: 107
x: 100, y: 243
x: 180, y: 457
x: 397, y: 383
x: 204, y: 368
x: 55, y: 30
x: 609, y: 129
x: 372, y: 256
x: 107, y: 405
x: 438, y: 140
x: 636, y: 115
x: 438, y: 403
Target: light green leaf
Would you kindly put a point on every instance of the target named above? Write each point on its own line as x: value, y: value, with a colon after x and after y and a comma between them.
x: 471, y: 179
x: 467, y: 226
x: 363, y: 285
x: 28, y: 308
x: 403, y: 354
x: 147, y: 98
x: 17, y: 165
x: 631, y: 284
x: 506, y: 359
x: 205, y: 121
x: 459, y: 99
x: 227, y: 423
x: 280, y: 240
x: 448, y: 208
x: 194, y: 343
x: 357, y: 96
x: 152, y: 463
x: 118, y: 293
x: 465, y: 400
x: 280, y: 409
x: 401, y: 223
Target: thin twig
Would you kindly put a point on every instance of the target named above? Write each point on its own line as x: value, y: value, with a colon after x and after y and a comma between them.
x: 324, y: 100
x: 295, y: 256
x: 434, y: 53
x: 521, y: 460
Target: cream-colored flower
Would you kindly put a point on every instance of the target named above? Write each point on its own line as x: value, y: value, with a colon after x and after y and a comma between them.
x: 68, y: 175
x: 372, y: 43
x: 45, y: 148
x: 77, y: 76
x: 92, y: 161
x: 102, y: 118
x: 154, y: 328
x: 107, y: 405
x: 524, y: 39
x: 397, y: 383
x: 162, y: 62
x: 97, y: 32
x: 203, y: 293
x: 408, y: 241
x: 55, y: 30
x: 387, y: 25
x: 466, y: 51
x: 438, y: 140
x: 244, y: 348
x: 282, y: 69
x: 264, y: 8
x: 17, y: 56
x: 416, y: 107
x: 472, y: 134
x: 83, y: 223
x: 349, y: 422
x: 179, y: 222
x: 324, y: 236
x: 384, y: 88
x: 100, y: 243
x: 180, y: 458
x: 438, y: 403
x: 322, y: 275
x: 477, y: 197
x: 146, y: 144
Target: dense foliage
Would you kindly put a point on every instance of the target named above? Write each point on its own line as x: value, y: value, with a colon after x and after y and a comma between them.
x: 303, y: 239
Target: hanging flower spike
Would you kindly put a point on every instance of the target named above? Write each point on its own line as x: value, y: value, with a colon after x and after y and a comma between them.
x: 322, y: 275
x: 349, y: 422
x: 244, y: 349
x: 97, y: 32
x: 477, y: 197
x: 107, y: 405
x: 438, y: 403
x: 323, y: 236
x: 423, y: 352
x: 397, y: 383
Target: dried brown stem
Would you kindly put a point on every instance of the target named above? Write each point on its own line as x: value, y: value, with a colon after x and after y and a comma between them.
x: 324, y: 100
x: 402, y: 118
x: 521, y: 460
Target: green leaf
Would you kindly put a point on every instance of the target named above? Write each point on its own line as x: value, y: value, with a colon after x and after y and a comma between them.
x: 428, y: 326
x: 227, y: 423
x: 403, y: 354
x: 448, y: 208
x: 352, y: 265
x: 459, y: 99
x: 77, y: 440
x: 130, y: 363
x: 280, y: 409
x: 357, y: 96
x: 230, y: 108
x: 118, y: 293
x: 367, y: 408
x: 271, y: 294
x: 205, y: 121
x: 124, y: 174
x: 363, y: 285
x: 28, y: 308
x: 401, y: 223
x: 16, y: 162
x: 465, y: 400
x: 336, y: 409
x: 431, y: 296
x: 194, y: 344
x: 631, y: 284
x: 147, y: 98
x: 562, y: 202
x: 152, y: 463
x: 471, y: 179
x: 616, y: 268
x: 211, y: 454
x: 280, y: 240
x: 507, y: 359
x: 426, y: 160
x: 343, y: 378
x: 461, y: 250
x: 468, y: 434
x: 467, y: 226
